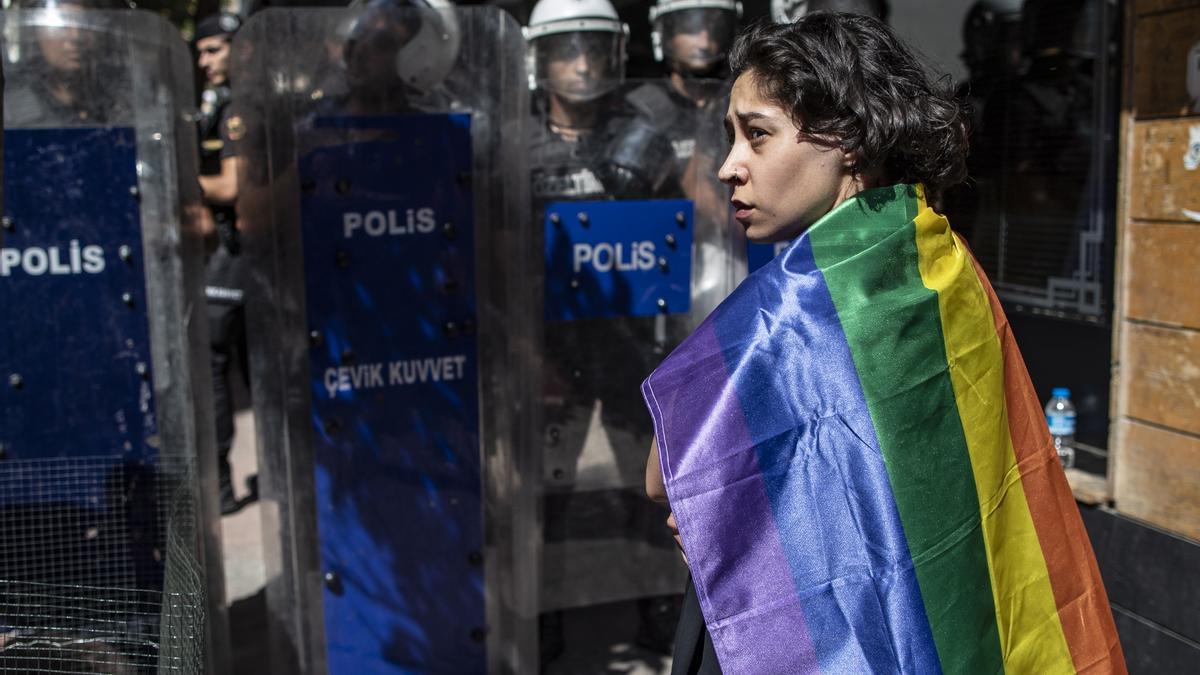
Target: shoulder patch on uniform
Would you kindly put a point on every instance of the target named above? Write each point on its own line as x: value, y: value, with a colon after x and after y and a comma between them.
x: 212, y: 144
x: 235, y: 127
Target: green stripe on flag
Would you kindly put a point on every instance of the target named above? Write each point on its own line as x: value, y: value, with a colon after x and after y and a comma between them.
x: 866, y: 248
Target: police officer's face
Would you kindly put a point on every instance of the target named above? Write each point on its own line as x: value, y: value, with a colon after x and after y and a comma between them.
x: 65, y: 48
x: 577, y: 63
x: 371, y: 53
x: 783, y: 180
x: 697, y: 39
x: 694, y: 51
x: 214, y: 58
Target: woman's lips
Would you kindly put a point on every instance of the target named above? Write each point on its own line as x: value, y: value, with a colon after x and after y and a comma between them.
x: 741, y: 209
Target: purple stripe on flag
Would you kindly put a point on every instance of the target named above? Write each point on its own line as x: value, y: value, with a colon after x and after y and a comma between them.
x: 743, y: 578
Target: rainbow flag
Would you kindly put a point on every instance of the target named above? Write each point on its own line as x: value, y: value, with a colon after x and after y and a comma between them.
x: 860, y: 470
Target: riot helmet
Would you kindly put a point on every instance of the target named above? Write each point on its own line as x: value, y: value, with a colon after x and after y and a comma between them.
x: 62, y: 38
x: 1061, y: 30
x: 575, y: 48
x: 410, y: 43
x: 991, y: 35
x: 693, y: 36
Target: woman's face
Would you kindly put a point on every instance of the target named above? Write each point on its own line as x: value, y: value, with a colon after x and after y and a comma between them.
x: 782, y: 180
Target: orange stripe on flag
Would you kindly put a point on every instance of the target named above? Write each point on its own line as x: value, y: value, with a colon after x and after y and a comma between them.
x: 1079, y: 592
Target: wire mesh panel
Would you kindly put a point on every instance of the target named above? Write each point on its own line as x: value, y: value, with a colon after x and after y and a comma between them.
x: 103, y: 405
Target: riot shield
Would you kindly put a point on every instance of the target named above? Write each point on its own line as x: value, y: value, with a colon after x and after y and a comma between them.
x: 104, y: 411
x: 385, y: 216
x: 638, y: 248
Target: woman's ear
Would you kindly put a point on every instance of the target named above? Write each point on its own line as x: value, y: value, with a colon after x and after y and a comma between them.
x: 849, y: 160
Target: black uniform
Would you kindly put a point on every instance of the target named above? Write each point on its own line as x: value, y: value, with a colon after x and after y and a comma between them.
x: 672, y: 114
x: 220, y: 130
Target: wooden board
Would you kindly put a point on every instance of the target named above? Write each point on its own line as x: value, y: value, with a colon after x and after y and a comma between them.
x: 1161, y: 186
x: 1159, y: 76
x: 1143, y: 7
x: 1088, y: 488
x: 1162, y: 273
x: 1162, y: 376
x: 1158, y: 477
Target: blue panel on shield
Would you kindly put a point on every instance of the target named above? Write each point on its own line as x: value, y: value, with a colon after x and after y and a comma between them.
x: 389, y: 257
x: 75, y: 349
x: 758, y: 255
x: 618, y: 258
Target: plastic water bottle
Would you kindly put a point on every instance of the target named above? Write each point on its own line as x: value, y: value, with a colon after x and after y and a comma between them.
x: 1060, y: 415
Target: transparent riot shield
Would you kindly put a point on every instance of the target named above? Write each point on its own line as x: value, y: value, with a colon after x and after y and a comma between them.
x: 637, y: 249
x: 105, y: 413
x: 393, y: 327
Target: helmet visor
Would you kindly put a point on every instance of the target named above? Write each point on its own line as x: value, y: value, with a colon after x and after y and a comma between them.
x: 581, y: 65
x: 699, y: 38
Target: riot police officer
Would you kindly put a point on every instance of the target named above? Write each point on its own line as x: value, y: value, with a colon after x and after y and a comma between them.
x: 220, y: 129
x: 70, y: 60
x: 588, y: 144
x: 693, y: 37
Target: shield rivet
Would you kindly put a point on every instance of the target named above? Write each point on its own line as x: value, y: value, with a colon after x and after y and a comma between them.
x: 334, y: 583
x: 670, y: 239
x: 16, y: 381
x: 583, y: 219
x: 662, y: 303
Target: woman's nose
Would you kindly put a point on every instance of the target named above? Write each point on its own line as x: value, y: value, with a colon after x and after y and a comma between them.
x: 730, y: 172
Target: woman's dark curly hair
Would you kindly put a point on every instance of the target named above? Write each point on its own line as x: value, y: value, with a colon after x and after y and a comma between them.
x: 849, y: 78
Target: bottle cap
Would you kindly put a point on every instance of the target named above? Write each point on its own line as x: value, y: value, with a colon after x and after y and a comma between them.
x: 1061, y: 392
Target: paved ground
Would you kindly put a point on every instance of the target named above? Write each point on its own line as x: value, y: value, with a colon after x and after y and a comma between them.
x: 600, y: 639
x: 242, y: 531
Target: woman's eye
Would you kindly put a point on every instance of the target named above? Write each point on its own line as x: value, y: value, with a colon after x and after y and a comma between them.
x: 756, y: 134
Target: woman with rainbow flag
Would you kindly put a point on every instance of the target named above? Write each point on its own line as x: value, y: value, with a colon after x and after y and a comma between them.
x: 855, y: 459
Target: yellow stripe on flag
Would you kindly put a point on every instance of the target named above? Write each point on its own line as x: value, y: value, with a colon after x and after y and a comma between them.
x: 1031, y: 633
